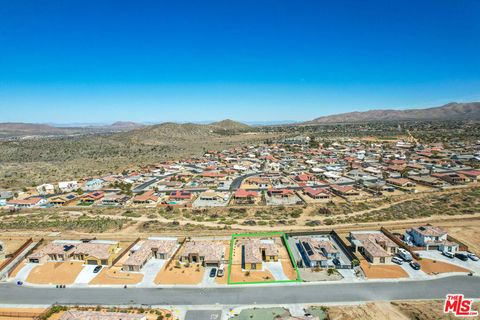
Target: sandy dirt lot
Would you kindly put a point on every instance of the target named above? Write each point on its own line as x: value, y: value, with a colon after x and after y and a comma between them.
x: 468, y: 233
x: 237, y: 275
x: 369, y: 311
x: 432, y: 266
x: 55, y: 273
x: 288, y: 269
x: 20, y: 313
x: 180, y: 275
x: 426, y: 310
x: 115, y: 275
x: 17, y: 268
x: 419, y: 310
x: 12, y: 243
x: 382, y: 271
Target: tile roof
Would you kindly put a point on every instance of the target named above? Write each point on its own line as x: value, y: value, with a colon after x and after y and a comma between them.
x: 97, y: 250
x: 161, y: 246
x: 430, y: 231
x: 254, y: 247
x: 375, y: 243
x: 211, y: 250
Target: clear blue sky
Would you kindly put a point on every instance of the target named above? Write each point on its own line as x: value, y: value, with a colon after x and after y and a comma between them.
x: 102, y: 61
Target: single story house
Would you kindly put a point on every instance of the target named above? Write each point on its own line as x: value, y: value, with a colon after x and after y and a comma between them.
x: 375, y: 246
x: 68, y: 186
x: 317, y: 193
x: 92, y: 197
x: 346, y: 191
x: 156, y: 248
x: 256, y: 251
x: 317, y: 252
x: 96, y: 252
x: 27, y: 203
x: 207, y: 253
x: 148, y: 197
x: 242, y: 196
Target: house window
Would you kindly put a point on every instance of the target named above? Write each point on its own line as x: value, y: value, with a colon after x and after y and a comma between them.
x: 254, y: 266
x: 382, y: 259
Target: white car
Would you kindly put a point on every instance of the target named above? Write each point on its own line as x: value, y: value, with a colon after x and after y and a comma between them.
x: 472, y: 256
x: 448, y: 254
x: 397, y: 260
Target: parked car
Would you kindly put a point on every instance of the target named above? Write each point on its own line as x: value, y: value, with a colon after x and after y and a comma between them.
x: 97, y: 269
x: 461, y: 256
x: 213, y: 273
x: 415, y: 265
x: 221, y: 271
x: 397, y: 260
x: 448, y: 254
x: 472, y: 256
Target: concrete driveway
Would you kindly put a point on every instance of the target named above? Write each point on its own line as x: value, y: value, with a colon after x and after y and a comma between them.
x: 437, y: 255
x: 348, y: 274
x: 207, y: 280
x: 22, y: 275
x: 86, y: 275
x: 150, y: 271
x: 276, y: 270
x: 414, y: 274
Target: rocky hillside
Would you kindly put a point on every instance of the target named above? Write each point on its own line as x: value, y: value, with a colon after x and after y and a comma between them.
x: 451, y: 111
x: 228, y: 124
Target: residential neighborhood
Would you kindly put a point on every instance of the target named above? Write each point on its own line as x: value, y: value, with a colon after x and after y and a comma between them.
x: 279, y: 174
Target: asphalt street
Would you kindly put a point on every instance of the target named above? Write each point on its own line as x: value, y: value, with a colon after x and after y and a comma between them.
x: 244, y: 294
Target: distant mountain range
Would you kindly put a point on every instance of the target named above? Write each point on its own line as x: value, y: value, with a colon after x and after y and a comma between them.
x: 18, y: 129
x: 128, y: 129
x: 126, y: 125
x: 451, y: 111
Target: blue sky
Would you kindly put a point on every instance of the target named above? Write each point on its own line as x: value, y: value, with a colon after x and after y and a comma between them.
x: 102, y: 61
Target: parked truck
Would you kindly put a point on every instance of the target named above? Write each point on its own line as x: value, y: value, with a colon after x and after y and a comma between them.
x: 404, y: 254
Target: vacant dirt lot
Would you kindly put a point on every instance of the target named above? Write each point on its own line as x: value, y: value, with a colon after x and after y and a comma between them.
x: 180, y: 275
x: 419, y: 310
x: 433, y: 266
x: 114, y: 275
x: 468, y: 233
x: 12, y: 243
x: 20, y: 313
x: 426, y: 310
x: 238, y: 275
x: 55, y: 273
x: 382, y: 271
x: 369, y: 311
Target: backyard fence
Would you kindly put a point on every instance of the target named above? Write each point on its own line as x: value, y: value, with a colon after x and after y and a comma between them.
x: 124, y: 252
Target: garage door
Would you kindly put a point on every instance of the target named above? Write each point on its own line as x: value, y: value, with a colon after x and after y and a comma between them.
x: 92, y: 262
x: 211, y: 264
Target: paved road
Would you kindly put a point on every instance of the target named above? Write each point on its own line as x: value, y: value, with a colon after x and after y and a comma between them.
x: 244, y: 294
x: 237, y: 182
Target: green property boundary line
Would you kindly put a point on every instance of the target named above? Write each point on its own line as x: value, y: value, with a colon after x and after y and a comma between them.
x: 262, y: 234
